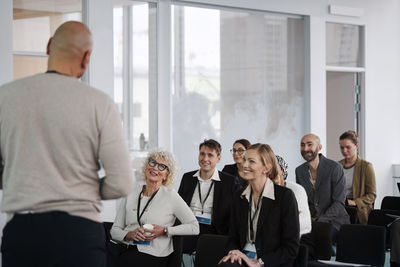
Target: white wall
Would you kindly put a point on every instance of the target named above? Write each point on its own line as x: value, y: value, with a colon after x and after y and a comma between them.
x: 382, y: 94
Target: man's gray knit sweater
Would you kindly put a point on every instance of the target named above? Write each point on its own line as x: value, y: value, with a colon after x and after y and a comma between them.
x: 54, y: 130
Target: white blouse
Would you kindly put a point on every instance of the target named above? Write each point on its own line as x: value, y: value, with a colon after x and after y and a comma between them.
x: 165, y: 207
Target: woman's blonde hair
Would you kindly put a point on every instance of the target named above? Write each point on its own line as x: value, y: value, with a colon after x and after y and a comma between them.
x: 171, y: 164
x: 268, y: 158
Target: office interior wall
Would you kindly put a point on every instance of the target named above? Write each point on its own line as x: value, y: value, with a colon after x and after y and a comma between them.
x: 382, y: 95
x: 6, y: 63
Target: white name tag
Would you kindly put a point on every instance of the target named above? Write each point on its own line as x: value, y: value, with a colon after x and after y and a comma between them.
x: 250, y: 251
x: 204, y: 218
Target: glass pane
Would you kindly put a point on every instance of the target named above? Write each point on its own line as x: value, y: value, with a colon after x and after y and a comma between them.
x: 344, y: 45
x: 34, y: 22
x: 237, y: 75
x: 135, y: 72
x: 28, y: 65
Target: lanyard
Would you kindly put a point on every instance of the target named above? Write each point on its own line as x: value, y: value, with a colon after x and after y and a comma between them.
x: 251, y: 218
x: 147, y: 204
x: 208, y: 193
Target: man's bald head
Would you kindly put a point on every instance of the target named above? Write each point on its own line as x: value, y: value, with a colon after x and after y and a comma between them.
x: 312, y: 137
x: 70, y: 48
x: 72, y: 39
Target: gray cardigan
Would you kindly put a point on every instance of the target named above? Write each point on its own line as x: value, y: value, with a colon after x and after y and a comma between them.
x: 327, y: 199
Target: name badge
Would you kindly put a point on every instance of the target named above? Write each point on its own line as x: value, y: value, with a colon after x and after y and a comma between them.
x: 204, y: 218
x: 143, y: 243
x: 250, y: 251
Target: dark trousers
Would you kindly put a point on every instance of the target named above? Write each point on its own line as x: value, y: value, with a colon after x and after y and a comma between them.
x: 53, y: 239
x: 129, y: 256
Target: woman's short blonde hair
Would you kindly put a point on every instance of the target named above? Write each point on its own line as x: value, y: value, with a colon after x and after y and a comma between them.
x: 171, y: 164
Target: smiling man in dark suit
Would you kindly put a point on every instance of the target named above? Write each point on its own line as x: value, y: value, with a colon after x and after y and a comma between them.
x: 323, y: 179
x: 208, y: 192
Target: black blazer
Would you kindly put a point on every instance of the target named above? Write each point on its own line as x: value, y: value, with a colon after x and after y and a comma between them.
x: 278, y: 230
x: 232, y: 169
x: 223, y: 192
x: 326, y: 199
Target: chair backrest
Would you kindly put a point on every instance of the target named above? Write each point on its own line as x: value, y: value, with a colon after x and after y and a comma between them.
x: 210, y: 250
x: 381, y: 218
x: 322, y: 239
x: 353, y: 214
x: 175, y: 258
x: 361, y: 244
x: 107, y: 228
x: 390, y: 203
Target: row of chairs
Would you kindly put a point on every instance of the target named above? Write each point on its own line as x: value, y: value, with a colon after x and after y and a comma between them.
x: 359, y: 244
x: 388, y: 203
x: 356, y: 244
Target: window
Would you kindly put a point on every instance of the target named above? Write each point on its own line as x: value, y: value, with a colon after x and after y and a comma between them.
x: 135, y: 70
x: 344, y: 44
x: 237, y: 74
x: 34, y: 23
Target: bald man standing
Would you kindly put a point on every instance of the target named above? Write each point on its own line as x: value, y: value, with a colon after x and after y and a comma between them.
x: 55, y: 131
x: 324, y: 181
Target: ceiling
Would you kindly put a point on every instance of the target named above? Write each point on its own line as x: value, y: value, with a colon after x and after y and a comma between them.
x: 54, y: 6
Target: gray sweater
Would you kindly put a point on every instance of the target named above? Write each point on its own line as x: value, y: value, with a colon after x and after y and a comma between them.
x: 54, y: 130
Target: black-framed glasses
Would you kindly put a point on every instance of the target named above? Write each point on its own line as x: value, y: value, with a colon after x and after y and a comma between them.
x: 160, y: 166
x: 240, y: 150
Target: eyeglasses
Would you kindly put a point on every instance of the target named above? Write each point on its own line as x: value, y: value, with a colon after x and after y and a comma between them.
x: 160, y: 166
x: 240, y: 150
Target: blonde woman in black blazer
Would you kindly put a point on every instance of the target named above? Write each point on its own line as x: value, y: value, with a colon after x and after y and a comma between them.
x: 267, y: 232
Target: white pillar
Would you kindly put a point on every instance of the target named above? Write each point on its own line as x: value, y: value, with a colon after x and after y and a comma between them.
x: 164, y: 75
x: 6, y: 33
x: 316, y: 78
x: 98, y: 16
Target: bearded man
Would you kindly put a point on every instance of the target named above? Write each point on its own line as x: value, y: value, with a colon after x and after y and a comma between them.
x: 325, y: 183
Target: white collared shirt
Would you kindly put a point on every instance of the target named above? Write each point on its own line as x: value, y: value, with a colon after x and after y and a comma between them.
x: 195, y: 204
x: 268, y: 192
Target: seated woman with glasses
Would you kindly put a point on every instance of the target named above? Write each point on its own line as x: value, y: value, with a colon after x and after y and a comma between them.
x: 145, y: 219
x: 264, y: 228
x: 239, y: 148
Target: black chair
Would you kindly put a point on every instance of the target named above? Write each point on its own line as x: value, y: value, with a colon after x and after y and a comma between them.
x: 322, y: 239
x: 352, y: 211
x: 361, y: 244
x: 110, y: 247
x: 390, y: 203
x: 382, y: 218
x: 210, y: 250
x: 174, y: 259
x: 302, y: 256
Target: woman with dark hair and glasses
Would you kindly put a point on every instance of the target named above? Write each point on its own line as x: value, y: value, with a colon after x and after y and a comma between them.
x: 239, y: 148
x: 144, y: 224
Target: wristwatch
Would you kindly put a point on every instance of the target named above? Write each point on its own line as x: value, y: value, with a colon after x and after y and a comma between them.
x: 165, y: 230
x: 260, y: 261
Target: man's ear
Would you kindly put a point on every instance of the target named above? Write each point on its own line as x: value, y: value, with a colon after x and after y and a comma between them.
x: 85, y: 59
x: 319, y: 147
x: 48, y: 46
